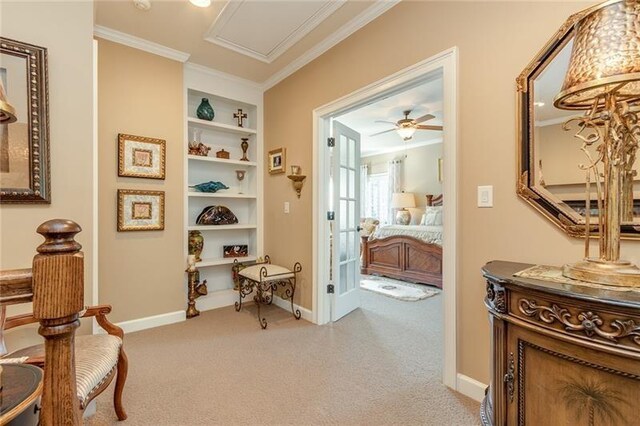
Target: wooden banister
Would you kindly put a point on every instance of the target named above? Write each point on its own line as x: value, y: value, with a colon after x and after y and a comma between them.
x: 16, y: 286
x: 58, y: 296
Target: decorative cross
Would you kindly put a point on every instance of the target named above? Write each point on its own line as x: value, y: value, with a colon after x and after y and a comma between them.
x: 239, y: 116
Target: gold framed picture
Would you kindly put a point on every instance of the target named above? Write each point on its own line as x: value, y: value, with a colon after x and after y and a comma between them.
x: 140, y: 210
x: 277, y: 160
x: 141, y: 157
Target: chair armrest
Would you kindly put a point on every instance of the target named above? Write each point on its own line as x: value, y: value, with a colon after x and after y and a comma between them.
x: 18, y: 320
x: 100, y: 313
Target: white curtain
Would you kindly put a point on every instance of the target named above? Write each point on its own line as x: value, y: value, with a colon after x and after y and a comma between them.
x: 364, y: 184
x: 395, y: 184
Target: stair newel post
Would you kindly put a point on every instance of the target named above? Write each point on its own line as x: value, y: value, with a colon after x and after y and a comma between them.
x: 58, y: 298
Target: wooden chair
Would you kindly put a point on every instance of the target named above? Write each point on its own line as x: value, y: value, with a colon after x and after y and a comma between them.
x: 96, y: 359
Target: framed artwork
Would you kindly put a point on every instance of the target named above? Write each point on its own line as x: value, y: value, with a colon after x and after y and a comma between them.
x: 277, y: 160
x: 140, y: 210
x: 141, y: 157
x: 239, y: 250
x: 440, y: 171
x: 24, y: 124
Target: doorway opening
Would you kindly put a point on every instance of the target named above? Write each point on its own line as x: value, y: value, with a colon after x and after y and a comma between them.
x: 338, y: 185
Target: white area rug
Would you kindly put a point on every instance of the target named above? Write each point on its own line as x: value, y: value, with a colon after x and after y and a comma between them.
x: 396, y: 289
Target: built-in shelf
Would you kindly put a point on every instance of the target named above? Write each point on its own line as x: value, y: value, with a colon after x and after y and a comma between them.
x: 223, y: 160
x: 220, y: 195
x: 212, y: 125
x: 225, y: 261
x: 219, y: 227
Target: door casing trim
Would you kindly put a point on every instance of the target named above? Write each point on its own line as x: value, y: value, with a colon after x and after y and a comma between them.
x: 447, y: 61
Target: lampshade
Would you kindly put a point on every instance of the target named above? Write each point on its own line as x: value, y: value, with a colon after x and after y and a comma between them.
x: 406, y: 132
x: 605, y: 55
x: 7, y: 111
x: 401, y: 200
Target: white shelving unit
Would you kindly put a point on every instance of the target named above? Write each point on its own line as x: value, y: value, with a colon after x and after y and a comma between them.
x: 244, y: 198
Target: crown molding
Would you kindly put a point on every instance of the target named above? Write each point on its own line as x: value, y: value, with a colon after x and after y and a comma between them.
x: 139, y: 43
x: 220, y: 74
x: 380, y: 7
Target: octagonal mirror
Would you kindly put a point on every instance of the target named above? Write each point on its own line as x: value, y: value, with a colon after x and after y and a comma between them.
x: 550, y: 176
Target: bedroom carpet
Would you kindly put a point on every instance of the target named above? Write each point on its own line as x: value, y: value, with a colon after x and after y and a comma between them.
x: 397, y: 289
x: 380, y: 365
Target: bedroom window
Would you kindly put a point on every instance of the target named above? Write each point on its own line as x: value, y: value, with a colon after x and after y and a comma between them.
x: 377, y: 198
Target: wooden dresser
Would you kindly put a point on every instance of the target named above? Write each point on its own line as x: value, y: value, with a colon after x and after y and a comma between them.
x: 560, y: 354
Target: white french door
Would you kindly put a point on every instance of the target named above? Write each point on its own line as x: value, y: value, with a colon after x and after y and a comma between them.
x: 345, y: 194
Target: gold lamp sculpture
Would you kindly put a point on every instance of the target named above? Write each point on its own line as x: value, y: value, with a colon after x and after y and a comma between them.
x: 604, y: 79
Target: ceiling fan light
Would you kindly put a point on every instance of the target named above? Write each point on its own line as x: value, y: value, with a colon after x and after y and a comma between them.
x: 406, y: 132
x: 201, y: 3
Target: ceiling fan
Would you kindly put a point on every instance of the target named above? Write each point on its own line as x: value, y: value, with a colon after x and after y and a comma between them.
x: 406, y: 126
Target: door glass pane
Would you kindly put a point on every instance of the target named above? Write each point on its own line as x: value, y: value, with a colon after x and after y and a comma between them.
x: 352, y: 215
x: 342, y: 146
x: 343, y: 278
x: 352, y: 183
x: 354, y: 245
x: 351, y: 275
x: 343, y: 246
x: 343, y: 215
x: 352, y: 153
x: 343, y: 183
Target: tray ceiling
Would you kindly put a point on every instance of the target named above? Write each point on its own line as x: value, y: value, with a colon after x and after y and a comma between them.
x: 247, y: 27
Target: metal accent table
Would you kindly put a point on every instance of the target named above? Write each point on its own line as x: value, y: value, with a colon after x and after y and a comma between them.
x: 20, y: 394
x: 261, y: 278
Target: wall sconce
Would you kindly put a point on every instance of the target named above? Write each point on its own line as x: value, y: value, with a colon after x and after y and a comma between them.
x: 297, y: 178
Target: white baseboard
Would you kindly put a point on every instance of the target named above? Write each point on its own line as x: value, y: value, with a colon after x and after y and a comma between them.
x: 214, y: 300
x: 470, y: 387
x: 286, y: 305
x: 150, y: 322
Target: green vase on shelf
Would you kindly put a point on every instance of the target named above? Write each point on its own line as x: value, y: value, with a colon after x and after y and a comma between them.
x: 205, y: 111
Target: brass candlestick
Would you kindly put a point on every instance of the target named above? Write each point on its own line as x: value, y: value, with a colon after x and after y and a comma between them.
x: 196, y: 288
x: 245, y: 146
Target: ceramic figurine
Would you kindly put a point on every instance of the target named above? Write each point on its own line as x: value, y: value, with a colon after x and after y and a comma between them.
x: 198, y: 148
x: 196, y: 244
x: 210, y: 186
x: 205, y: 111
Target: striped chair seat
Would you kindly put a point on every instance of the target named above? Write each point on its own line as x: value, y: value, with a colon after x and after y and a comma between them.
x: 96, y: 359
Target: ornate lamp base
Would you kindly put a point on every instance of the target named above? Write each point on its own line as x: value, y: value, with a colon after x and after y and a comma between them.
x: 621, y: 273
x: 403, y: 217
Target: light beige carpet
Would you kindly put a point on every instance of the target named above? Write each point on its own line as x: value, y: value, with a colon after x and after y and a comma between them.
x: 380, y: 365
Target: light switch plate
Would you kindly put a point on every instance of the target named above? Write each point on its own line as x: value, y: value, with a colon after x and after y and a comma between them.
x: 485, y: 196
x: 286, y: 207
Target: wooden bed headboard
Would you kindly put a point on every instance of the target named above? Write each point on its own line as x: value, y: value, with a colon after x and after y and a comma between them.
x: 434, y: 200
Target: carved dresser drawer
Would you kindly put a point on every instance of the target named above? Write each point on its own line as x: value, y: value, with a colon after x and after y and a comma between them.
x: 561, y: 353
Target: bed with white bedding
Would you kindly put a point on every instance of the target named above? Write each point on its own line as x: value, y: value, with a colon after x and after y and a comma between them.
x: 407, y: 252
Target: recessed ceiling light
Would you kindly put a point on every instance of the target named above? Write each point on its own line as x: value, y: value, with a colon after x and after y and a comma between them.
x: 142, y: 4
x: 201, y: 3
x: 539, y: 104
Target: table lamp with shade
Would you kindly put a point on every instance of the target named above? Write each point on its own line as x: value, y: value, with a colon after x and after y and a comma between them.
x: 604, y: 79
x: 403, y: 200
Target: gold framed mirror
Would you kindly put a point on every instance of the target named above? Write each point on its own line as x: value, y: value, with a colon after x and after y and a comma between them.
x: 550, y: 177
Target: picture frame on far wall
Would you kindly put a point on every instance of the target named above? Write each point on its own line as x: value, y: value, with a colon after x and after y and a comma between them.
x: 141, y: 157
x: 440, y: 170
x: 140, y: 210
x: 277, y: 161
x: 24, y: 124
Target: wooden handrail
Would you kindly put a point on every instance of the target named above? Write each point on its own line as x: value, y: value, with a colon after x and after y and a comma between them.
x: 16, y: 286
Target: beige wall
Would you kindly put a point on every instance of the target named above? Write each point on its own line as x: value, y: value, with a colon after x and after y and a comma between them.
x: 71, y: 129
x: 140, y: 273
x: 420, y: 170
x: 496, y: 40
